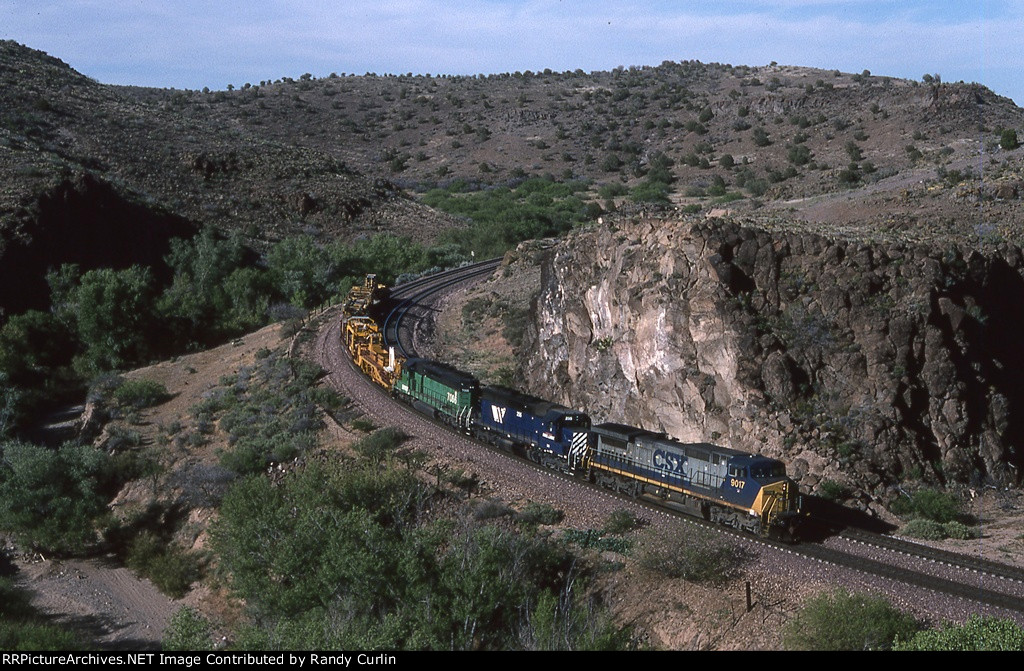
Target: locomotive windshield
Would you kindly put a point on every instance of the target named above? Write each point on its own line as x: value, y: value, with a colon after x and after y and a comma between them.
x: 576, y: 421
x: 768, y: 469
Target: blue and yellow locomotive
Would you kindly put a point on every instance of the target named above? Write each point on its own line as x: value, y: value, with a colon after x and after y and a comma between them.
x: 720, y: 484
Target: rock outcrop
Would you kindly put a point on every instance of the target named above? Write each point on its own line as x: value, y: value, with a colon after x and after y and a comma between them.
x: 868, y: 364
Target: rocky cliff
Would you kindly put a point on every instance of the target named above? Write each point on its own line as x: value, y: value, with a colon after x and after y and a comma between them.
x: 866, y: 364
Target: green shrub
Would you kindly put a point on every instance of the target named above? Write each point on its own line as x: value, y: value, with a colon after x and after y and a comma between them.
x: 934, y: 531
x: 379, y: 444
x: 187, y: 630
x: 612, y: 190
x: 489, y: 509
x: 593, y: 539
x: 327, y: 398
x: 52, y: 498
x: 622, y: 521
x: 270, y: 414
x: 364, y: 425
x: 1008, y: 139
x: 978, y: 633
x: 833, y: 491
x: 650, y: 191
x: 799, y: 154
x: 171, y: 570
x: 928, y: 530
x: 392, y: 582
x: 849, y: 176
x: 140, y: 394
x: 840, y: 620
x: 534, y: 514
x: 696, y: 556
x: 960, y: 531
x: 120, y: 437
x: 930, y: 504
x: 502, y: 217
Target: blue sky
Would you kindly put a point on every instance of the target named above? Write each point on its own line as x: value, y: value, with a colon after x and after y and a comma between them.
x: 192, y: 43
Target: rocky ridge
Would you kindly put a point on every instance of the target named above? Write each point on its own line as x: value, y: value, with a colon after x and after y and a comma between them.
x: 867, y: 364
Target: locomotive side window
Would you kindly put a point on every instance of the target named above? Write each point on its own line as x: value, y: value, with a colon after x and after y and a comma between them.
x: 737, y: 472
x: 613, y: 443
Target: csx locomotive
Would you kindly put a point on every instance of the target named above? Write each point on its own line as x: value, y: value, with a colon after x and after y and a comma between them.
x: 720, y: 484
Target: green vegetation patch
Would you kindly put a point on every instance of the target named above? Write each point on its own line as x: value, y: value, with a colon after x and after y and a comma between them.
x: 51, y: 499
x: 344, y: 556
x: 535, y: 514
x: 622, y: 521
x: 172, y: 570
x: 187, y: 630
x: 978, y: 633
x: 841, y: 620
x: 592, y: 539
x: 270, y: 412
x: 929, y: 504
x: 935, y: 531
x: 501, y: 217
x: 693, y: 555
x: 106, y: 320
x: 140, y: 394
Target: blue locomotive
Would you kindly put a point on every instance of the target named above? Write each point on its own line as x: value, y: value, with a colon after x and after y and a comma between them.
x: 548, y: 433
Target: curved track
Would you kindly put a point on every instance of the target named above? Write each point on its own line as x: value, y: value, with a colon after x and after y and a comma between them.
x: 955, y: 576
x: 400, y: 325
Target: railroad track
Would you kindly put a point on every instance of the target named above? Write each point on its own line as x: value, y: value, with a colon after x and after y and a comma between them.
x: 411, y: 294
x: 998, y: 592
x: 978, y: 565
x: 400, y: 330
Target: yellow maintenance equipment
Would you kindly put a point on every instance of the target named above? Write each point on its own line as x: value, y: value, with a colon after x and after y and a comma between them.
x: 365, y: 343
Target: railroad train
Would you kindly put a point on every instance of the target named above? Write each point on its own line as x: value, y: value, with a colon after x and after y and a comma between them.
x: 742, y: 490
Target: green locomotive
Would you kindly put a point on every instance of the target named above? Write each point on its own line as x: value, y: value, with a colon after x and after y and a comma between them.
x: 438, y: 390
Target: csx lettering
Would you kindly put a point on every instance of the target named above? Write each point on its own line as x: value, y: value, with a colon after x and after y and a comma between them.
x: 668, y: 461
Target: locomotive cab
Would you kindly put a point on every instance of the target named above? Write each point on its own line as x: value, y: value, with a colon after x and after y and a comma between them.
x: 572, y: 430
x: 760, y: 484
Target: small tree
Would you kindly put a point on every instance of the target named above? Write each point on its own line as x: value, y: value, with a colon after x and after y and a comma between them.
x: 111, y: 310
x: 1008, y: 139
